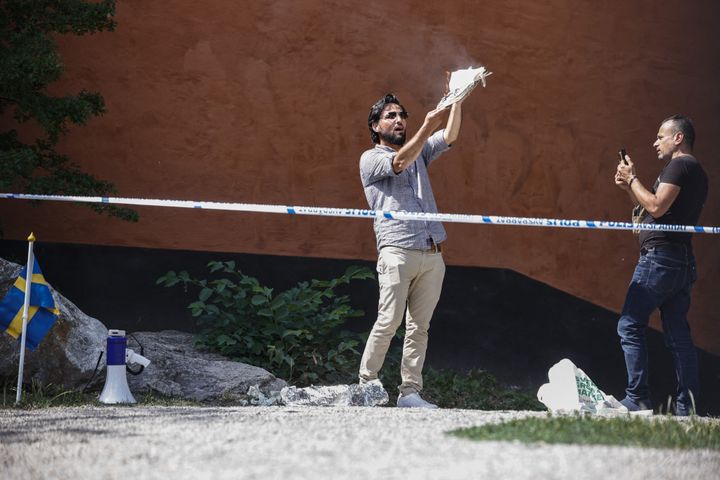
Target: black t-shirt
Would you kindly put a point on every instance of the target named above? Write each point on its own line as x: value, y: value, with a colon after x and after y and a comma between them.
x: 687, y: 173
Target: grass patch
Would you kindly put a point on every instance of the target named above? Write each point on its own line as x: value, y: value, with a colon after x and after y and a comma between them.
x: 36, y: 396
x: 658, y: 432
x: 476, y: 390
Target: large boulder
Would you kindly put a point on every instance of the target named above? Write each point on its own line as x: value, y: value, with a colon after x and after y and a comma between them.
x: 179, y: 369
x: 68, y: 354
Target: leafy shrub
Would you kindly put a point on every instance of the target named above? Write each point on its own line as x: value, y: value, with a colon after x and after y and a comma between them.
x: 295, y: 334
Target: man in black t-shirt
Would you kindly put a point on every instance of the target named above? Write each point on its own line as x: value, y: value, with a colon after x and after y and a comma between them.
x: 666, y: 270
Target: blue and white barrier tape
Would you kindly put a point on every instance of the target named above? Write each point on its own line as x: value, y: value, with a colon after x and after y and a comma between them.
x: 359, y: 213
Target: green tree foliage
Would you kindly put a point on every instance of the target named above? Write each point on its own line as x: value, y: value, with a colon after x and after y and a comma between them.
x: 29, y: 62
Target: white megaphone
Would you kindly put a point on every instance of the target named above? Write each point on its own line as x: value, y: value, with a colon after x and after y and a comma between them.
x: 116, y: 388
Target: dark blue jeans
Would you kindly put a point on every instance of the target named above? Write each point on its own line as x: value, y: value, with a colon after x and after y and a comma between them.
x: 662, y: 279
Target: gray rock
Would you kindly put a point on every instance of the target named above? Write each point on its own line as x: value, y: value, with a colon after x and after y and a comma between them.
x: 68, y: 354
x: 257, y: 397
x: 179, y: 369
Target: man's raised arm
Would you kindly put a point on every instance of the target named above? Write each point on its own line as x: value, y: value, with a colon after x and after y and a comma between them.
x: 410, y: 151
x: 453, y: 125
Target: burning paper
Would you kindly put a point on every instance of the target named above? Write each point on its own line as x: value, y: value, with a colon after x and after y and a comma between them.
x: 462, y: 82
x: 354, y: 395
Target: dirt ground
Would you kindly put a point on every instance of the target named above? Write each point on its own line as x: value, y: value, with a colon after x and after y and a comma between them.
x: 310, y: 442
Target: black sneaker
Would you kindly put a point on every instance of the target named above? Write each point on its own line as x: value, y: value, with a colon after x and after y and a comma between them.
x: 635, y: 407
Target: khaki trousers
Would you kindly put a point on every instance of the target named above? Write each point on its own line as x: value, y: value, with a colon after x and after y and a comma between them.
x: 410, y: 284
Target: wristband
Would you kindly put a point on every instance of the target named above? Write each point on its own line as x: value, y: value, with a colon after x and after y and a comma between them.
x: 632, y: 180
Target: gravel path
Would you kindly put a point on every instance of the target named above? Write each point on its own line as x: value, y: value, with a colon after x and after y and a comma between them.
x: 134, y: 443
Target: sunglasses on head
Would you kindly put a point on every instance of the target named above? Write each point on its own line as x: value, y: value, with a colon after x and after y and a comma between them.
x: 392, y: 115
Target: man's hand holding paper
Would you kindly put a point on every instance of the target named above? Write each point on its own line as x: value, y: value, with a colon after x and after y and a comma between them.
x: 461, y: 83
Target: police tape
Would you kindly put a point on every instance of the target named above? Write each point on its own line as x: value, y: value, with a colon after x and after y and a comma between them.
x: 361, y: 213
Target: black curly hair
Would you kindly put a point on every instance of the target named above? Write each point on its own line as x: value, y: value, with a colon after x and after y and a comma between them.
x: 375, y: 112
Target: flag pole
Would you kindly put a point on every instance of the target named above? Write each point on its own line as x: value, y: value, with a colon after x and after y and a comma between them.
x: 26, y: 306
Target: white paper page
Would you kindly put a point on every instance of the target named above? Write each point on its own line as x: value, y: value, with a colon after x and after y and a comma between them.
x: 462, y: 82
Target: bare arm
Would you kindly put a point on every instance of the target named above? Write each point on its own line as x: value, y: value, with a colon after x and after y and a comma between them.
x: 621, y: 183
x: 411, y: 150
x: 453, y: 125
x: 656, y: 204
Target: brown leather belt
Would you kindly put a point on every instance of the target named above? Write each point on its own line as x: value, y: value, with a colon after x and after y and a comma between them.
x: 434, y: 248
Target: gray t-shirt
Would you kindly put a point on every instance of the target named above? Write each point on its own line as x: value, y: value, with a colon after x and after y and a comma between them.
x: 408, y: 191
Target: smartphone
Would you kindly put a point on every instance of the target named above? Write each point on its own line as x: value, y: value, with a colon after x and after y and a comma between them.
x: 621, y: 156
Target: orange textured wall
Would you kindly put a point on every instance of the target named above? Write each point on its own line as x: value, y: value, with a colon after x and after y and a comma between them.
x: 266, y: 102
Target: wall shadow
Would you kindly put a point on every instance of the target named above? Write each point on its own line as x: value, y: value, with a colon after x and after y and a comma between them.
x: 493, y: 319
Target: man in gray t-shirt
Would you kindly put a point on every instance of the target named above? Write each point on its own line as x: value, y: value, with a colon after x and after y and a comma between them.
x: 410, y: 266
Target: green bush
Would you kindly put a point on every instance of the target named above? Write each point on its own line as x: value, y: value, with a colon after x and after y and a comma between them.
x: 295, y: 334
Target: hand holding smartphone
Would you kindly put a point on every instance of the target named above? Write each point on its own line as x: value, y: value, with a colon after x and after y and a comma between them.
x: 621, y: 155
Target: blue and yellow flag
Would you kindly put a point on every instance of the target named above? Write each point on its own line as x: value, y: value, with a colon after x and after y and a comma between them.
x: 42, y: 312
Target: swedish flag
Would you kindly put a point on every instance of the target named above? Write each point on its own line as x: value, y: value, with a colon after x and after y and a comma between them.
x: 42, y: 312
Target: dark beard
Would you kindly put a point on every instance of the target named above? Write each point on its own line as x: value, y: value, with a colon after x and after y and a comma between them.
x: 394, y: 139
